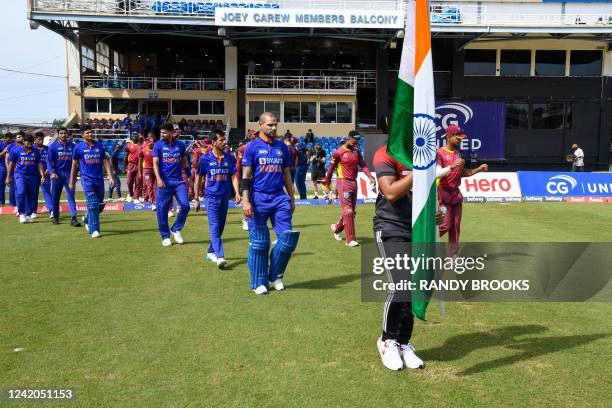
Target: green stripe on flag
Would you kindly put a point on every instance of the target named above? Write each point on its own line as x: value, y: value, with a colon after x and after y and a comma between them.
x: 399, y: 144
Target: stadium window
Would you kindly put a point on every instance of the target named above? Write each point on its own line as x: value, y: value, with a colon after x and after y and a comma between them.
x: 125, y: 106
x: 102, y: 58
x: 292, y: 112
x: 336, y: 112
x: 515, y: 62
x: 184, y: 107
x: 118, y: 62
x: 517, y: 115
x: 550, y: 63
x: 479, y: 62
x: 585, y: 63
x: 308, y: 112
x: 568, y: 116
x: 87, y: 59
x: 212, y: 107
x: 547, y: 116
x: 96, y: 105
x: 256, y: 108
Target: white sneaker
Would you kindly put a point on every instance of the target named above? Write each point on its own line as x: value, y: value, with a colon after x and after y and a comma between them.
x: 86, y: 226
x: 352, y: 244
x: 15, y: 211
x: 211, y: 257
x: 278, y: 284
x: 170, y: 214
x: 411, y: 360
x: 136, y: 201
x: 153, y: 207
x: 178, y: 237
x: 34, y: 215
x: 95, y: 234
x: 28, y: 219
x: 337, y: 237
x: 121, y: 199
x: 22, y: 219
x: 128, y: 199
x: 390, y: 354
x: 221, y: 263
x: 245, y: 225
x: 51, y: 217
x: 166, y: 242
x: 261, y: 290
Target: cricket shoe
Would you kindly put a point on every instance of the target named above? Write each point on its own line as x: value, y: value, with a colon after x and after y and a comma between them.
x: 411, y: 360
x: 128, y: 199
x: 28, y: 219
x: 245, y: 225
x: 51, y: 216
x: 178, y: 238
x: 166, y: 242
x: 54, y: 221
x: 170, y: 214
x: 316, y: 197
x: 352, y: 244
x: 211, y: 257
x: 95, y: 234
x: 136, y: 201
x: 389, y: 351
x: 86, y: 227
x: 15, y: 211
x: 34, y: 215
x: 278, y: 284
x: 22, y: 219
x: 261, y: 290
x: 337, y: 236
x: 221, y: 263
x: 74, y: 222
x: 153, y: 207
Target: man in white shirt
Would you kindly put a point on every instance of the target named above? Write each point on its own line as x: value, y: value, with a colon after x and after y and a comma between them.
x: 578, y: 163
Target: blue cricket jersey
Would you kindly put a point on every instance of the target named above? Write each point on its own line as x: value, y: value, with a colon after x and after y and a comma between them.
x: 3, y: 158
x: 170, y: 159
x: 26, y: 161
x: 44, y: 150
x: 268, y: 161
x: 91, y: 161
x: 218, y: 172
x: 59, y: 157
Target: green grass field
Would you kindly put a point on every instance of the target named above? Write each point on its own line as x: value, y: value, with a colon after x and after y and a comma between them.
x: 126, y: 322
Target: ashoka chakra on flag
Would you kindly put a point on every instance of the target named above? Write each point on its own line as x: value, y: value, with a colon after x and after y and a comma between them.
x: 424, y: 150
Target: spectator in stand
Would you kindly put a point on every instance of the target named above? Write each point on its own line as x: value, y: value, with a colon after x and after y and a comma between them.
x: 288, y: 134
x: 309, y: 138
x: 114, y: 158
x: 301, y: 169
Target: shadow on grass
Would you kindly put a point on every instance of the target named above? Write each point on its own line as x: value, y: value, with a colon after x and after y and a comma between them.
x: 301, y: 226
x: 326, y: 283
x: 125, y: 232
x: 459, y: 346
x: 224, y: 240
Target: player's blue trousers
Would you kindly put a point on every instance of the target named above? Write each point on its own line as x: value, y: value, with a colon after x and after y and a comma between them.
x: 216, y: 207
x: 2, y: 184
x: 13, y: 195
x: 300, y: 179
x: 46, y: 191
x: 91, y: 189
x: 173, y: 188
x: 25, y: 193
x: 276, y: 207
x: 62, y: 182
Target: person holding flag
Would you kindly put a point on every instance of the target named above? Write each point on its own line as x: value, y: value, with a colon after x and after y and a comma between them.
x: 89, y: 157
x: 407, y: 164
x: 218, y: 168
x: 59, y: 164
x: 450, y: 169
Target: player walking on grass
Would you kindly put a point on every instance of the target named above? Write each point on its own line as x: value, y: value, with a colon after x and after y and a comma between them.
x: 26, y: 172
x: 393, y: 235
x: 59, y: 164
x: 45, y: 187
x: 265, y: 172
x: 89, y: 157
x: 347, y: 159
x: 148, y: 175
x: 218, y: 168
x: 169, y: 160
x: 450, y: 169
x: 252, y: 136
x: 130, y: 164
x: 4, y: 148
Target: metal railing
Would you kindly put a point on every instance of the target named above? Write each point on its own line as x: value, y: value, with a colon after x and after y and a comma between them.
x: 103, y: 133
x: 153, y: 83
x: 301, y: 84
x: 366, y: 78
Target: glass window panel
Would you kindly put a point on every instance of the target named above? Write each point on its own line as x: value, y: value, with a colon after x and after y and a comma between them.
x: 274, y: 107
x: 517, y: 115
x: 308, y: 112
x: 327, y: 112
x: 292, y: 112
x: 256, y: 108
x: 218, y: 107
x: 90, y: 105
x: 103, y: 105
x: 585, y: 63
x: 515, y: 62
x: 126, y: 106
x: 344, y: 112
x: 184, y: 107
x: 550, y: 63
x: 206, y: 108
x: 479, y: 62
x: 547, y: 116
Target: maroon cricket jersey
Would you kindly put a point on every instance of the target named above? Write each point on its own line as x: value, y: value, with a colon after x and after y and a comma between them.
x: 393, y: 218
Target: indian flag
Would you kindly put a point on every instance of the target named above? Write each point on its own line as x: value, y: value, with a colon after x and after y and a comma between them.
x: 412, y: 138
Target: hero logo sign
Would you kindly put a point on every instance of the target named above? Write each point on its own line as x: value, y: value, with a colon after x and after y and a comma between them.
x: 459, y: 114
x: 502, y: 184
x: 561, y: 184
